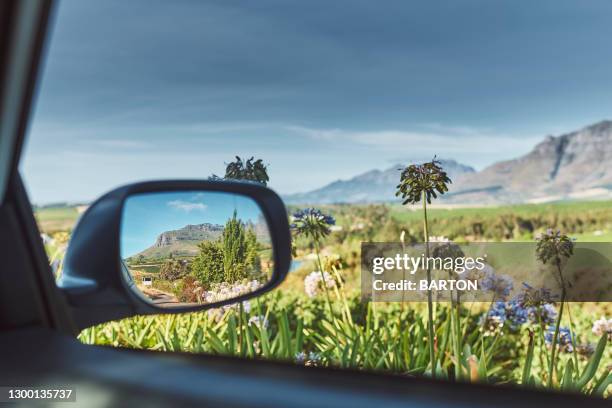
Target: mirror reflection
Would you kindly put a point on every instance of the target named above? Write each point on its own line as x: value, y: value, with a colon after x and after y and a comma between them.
x: 191, y: 247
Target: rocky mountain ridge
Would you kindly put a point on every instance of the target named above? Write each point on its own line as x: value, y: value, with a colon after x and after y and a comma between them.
x: 575, y: 165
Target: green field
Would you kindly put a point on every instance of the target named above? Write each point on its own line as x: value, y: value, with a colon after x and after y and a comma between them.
x: 335, y: 327
x: 56, y: 219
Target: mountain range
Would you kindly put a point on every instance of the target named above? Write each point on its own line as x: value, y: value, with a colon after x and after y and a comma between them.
x: 576, y: 165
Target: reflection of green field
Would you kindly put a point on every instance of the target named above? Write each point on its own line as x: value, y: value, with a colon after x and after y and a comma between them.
x: 151, y: 268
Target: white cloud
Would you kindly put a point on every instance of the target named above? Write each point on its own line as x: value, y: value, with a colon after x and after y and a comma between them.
x: 187, y: 206
x: 446, y: 141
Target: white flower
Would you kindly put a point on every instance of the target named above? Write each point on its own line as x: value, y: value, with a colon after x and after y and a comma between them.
x: 226, y: 291
x: 313, y: 280
x: 254, y: 285
x: 602, y: 326
x: 259, y: 321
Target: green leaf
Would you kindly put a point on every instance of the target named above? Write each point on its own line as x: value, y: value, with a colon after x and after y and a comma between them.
x: 528, y: 361
x: 591, y: 368
x: 566, y: 382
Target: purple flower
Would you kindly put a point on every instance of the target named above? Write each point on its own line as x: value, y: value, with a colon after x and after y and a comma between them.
x: 547, y: 314
x: 516, y: 314
x: 500, y: 285
x: 312, y: 222
x: 501, y: 313
x: 564, y: 339
x: 531, y: 297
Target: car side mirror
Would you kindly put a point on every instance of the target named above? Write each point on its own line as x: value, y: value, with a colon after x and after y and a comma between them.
x: 174, y: 247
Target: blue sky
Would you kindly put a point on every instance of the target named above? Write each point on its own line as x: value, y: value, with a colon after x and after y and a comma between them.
x: 145, y: 216
x: 321, y: 90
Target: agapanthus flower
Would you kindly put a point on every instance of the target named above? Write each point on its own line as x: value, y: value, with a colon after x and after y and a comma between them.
x: 313, y: 281
x: 585, y: 350
x: 311, y: 359
x: 545, y: 314
x: 499, y: 285
x: 532, y: 297
x: 516, y: 314
x: 312, y: 223
x: 445, y: 249
x: 259, y: 321
x: 427, y: 179
x: 314, y: 359
x: 564, y: 339
x: 227, y: 291
x: 504, y: 313
x: 553, y: 246
x: 602, y: 326
x: 300, y: 357
x: 493, y: 321
x: 474, y: 273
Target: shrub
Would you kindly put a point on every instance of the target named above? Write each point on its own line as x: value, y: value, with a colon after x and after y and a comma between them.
x: 173, y: 269
x: 207, y: 266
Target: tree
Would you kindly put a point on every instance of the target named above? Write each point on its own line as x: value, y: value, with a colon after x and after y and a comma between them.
x: 231, y: 258
x: 172, y: 269
x: 207, y: 266
x: 234, y: 249
x: 247, y: 170
x: 252, y: 261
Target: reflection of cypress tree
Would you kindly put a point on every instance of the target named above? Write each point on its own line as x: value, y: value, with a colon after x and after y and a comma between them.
x: 233, y: 257
x: 253, y: 261
x: 234, y: 249
x: 207, y: 266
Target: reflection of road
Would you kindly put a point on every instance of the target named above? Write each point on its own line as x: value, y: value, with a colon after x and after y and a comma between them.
x: 159, y: 297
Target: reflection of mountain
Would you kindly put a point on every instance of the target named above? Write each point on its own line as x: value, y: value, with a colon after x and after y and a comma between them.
x: 184, y: 242
x: 199, y: 232
x: 571, y: 166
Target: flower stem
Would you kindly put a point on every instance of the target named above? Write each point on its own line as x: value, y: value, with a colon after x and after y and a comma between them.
x: 323, y: 282
x: 430, y: 323
x: 553, y: 355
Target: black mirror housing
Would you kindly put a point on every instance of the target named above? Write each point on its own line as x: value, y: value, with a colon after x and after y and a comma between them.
x: 94, y: 276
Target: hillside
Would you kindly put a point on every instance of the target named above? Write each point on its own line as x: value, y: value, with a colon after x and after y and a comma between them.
x: 571, y: 166
x: 576, y: 165
x: 372, y: 186
x: 181, y: 242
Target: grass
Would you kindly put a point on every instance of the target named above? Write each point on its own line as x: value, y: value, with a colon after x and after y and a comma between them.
x: 384, y: 336
x: 522, y: 210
